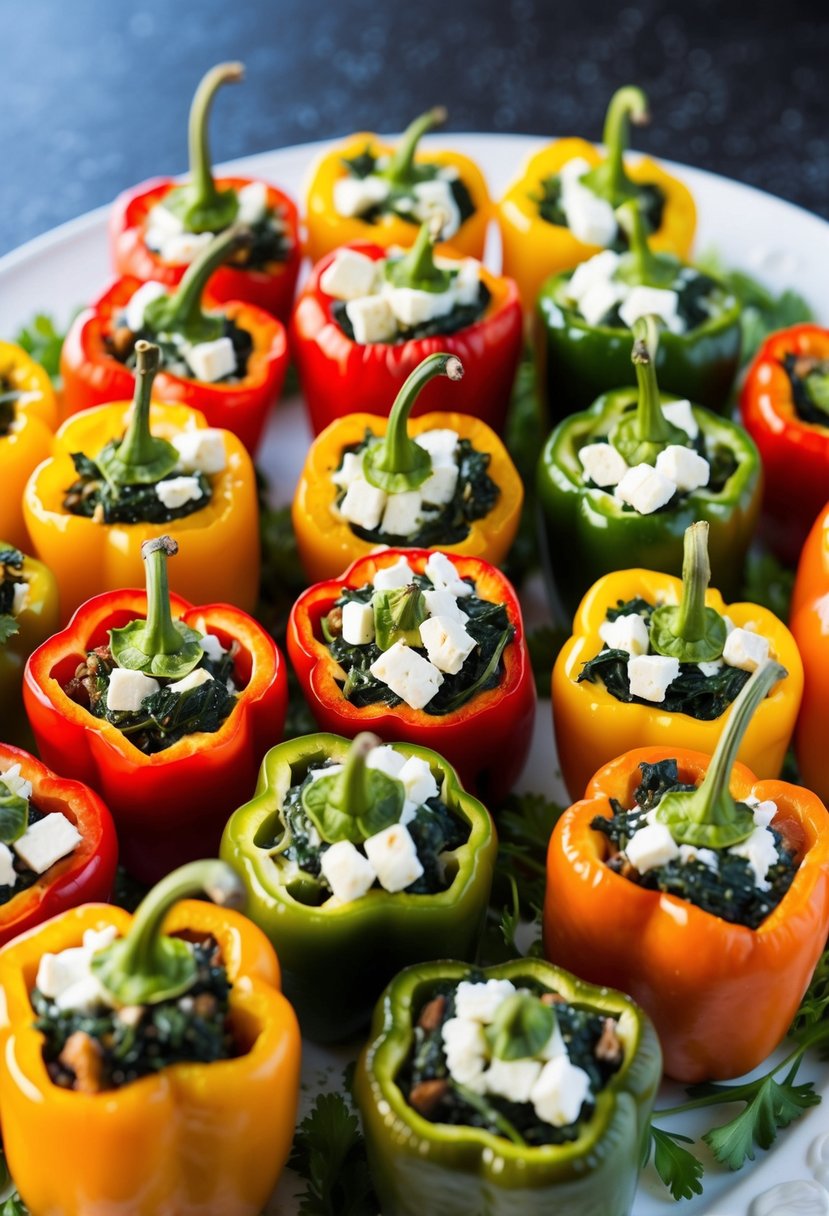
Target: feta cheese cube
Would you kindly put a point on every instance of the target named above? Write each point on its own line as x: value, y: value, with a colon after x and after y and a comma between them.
x: 253, y: 203
x: 413, y: 307
x: 555, y: 1045
x: 560, y: 1092
x: 745, y: 649
x: 681, y: 414
x: 57, y: 972
x: 193, y: 679
x: 440, y: 486
x: 684, y: 467
x: 444, y: 577
x: 597, y: 270
x: 393, y: 854
x: 467, y: 281
x: 402, y: 515
x: 165, y: 222
x: 348, y: 873
x: 603, y: 464
x: 464, y: 1045
x: 411, y: 677
x: 8, y: 876
x: 212, y: 361
x: 349, y: 276
x: 652, y: 301
x: 20, y: 597
x: 572, y: 170
x: 512, y: 1079
x: 138, y: 302
x: 386, y: 759
x: 644, y: 489
x: 447, y: 643
x: 628, y: 632
x: 764, y: 812
x: 358, y: 623
x: 690, y: 852
x: 388, y: 578
x: 372, y: 320
x: 480, y: 1001
x: 127, y: 689
x: 363, y: 503
x: 418, y: 780
x: 356, y: 195
x: 650, y: 675
x: 590, y: 219
x: 599, y: 300
x: 84, y: 996
x: 212, y: 647
x: 174, y: 492
x: 46, y: 841
x: 443, y: 603
x: 15, y: 782
x: 435, y: 198
x: 441, y: 444
x: 95, y: 940
x: 651, y: 846
x: 760, y: 851
x: 201, y: 451
x: 182, y: 248
x: 327, y: 770
x: 349, y: 470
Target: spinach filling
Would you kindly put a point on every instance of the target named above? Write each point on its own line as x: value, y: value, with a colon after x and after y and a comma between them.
x: 461, y: 316
x: 475, y: 496
x: 120, y: 343
x: 398, y: 202
x: 651, y: 199
x: 810, y: 387
x: 488, y: 624
x: 722, y: 463
x: 692, y: 692
x: 167, y: 715
x: 11, y: 572
x: 428, y: 1086
x: 699, y: 299
x: 25, y: 877
x: 92, y: 496
x: 730, y: 891
x: 194, y: 1027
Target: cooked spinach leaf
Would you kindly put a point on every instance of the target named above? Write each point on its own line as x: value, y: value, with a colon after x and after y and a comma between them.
x: 700, y: 696
x: 93, y: 497
x: 461, y: 316
x: 399, y: 201
x: 651, y: 200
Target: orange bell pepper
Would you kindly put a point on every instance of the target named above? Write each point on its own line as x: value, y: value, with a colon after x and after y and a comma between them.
x: 327, y: 229
x: 809, y: 619
x: 722, y: 995
x: 26, y: 425
x: 190, y: 1139
x: 534, y: 249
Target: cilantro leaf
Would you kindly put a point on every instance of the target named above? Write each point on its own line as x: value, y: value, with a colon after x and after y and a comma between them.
x: 8, y: 627
x: 678, y: 1168
x: 329, y: 1153
x: 772, y: 1106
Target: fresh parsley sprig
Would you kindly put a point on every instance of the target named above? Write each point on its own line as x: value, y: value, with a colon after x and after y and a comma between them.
x: 329, y: 1153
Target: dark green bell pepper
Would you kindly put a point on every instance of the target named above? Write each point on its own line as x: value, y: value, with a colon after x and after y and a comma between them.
x: 422, y: 1167
x: 577, y: 361
x: 588, y: 532
x: 336, y: 957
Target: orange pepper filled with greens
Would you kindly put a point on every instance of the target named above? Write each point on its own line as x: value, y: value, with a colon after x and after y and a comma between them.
x: 28, y: 416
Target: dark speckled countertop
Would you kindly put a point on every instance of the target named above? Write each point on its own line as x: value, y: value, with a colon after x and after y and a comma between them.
x: 97, y: 91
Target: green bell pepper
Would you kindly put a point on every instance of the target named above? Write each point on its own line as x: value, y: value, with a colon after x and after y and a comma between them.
x: 577, y: 361
x: 336, y: 956
x: 419, y: 1166
x: 587, y: 531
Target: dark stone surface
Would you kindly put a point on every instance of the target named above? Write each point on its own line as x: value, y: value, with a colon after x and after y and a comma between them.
x: 97, y: 91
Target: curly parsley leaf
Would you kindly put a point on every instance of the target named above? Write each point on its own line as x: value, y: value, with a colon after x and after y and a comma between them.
x: 43, y: 340
x: 329, y: 1153
x: 679, y: 1169
x: 8, y: 627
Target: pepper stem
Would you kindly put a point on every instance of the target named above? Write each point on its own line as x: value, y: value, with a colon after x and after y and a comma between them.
x: 201, y: 169
x: 147, y: 966
x: 181, y: 313
x: 158, y: 645
x: 609, y: 179
x: 349, y: 793
x: 401, y: 165
x: 141, y: 457
x: 356, y: 802
x: 397, y: 463
x: 640, y: 266
x: 690, y: 631
x: 651, y: 424
x: 417, y: 268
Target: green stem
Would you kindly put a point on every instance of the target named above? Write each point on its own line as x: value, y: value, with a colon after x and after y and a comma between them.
x: 358, y: 801
x: 397, y: 463
x: 729, y: 1093
x: 141, y: 457
x: 350, y: 793
x: 417, y: 269
x: 201, y: 169
x: 609, y: 179
x: 181, y: 313
x: 640, y: 266
x: 651, y: 424
x: 401, y: 165
x: 696, y: 575
x: 160, y: 633
x: 157, y: 644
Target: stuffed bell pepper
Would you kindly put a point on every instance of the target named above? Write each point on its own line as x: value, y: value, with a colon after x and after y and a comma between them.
x: 656, y: 660
x: 28, y: 417
x: 360, y: 858
x: 368, y: 317
x: 57, y: 844
x: 562, y: 210
x: 367, y: 190
x: 153, y: 1056
x: 29, y: 614
x: 158, y: 228
x: 421, y: 647
x: 229, y: 360
x: 164, y: 709
x: 443, y: 480
x: 584, y: 316
x: 621, y: 482
x: 785, y: 408
x: 119, y: 473
x: 516, y: 1089
x: 698, y: 889
x: 808, y: 619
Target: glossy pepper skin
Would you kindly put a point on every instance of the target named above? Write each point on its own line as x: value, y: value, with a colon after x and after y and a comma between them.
x: 808, y: 619
x: 487, y: 740
x: 38, y: 620
x: 28, y: 440
x: 220, y: 557
x: 162, y: 1143
x: 795, y: 453
x: 171, y: 806
x: 721, y: 996
x: 93, y: 376
x: 336, y: 958
x: 419, y: 1166
x: 592, y: 727
x: 339, y: 375
x: 87, y: 874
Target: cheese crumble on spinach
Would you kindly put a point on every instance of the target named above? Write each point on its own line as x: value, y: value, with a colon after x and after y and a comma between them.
x: 809, y: 378
x: 650, y: 196
x: 93, y: 497
x: 399, y: 200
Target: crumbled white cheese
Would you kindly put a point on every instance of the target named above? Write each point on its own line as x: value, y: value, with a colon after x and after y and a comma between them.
x: 418, y: 780
x: 603, y: 464
x: 467, y: 281
x: 464, y: 1044
x: 412, y: 307
x: 8, y: 875
x: 349, y: 276
x: 193, y: 679
x: 363, y: 503
x: 596, y: 271
x: 46, y: 841
x: 372, y: 319
x: 447, y: 643
x: 512, y: 1079
x: 358, y: 623
x: 15, y: 782
x: 212, y: 647
x: 684, y: 467
x: 439, y: 488
x: 436, y: 198
x: 444, y: 576
x: 164, y: 222
x: 763, y: 812
x: 652, y: 301
x: 480, y: 1001
x: 253, y: 203
x: 402, y: 515
x: 20, y: 597
x: 710, y: 669
x: 184, y: 247
x: 760, y: 851
x: 67, y: 979
x: 599, y: 300
x: 411, y: 677
x: 386, y: 759
x: 628, y: 632
x: 443, y: 603
x: 127, y: 689
x: 651, y: 846
x: 650, y: 675
x: 680, y: 414
x: 745, y: 649
x: 393, y: 854
x: 138, y: 302
x: 560, y: 1092
x: 348, y: 873
x: 388, y: 578
x: 644, y: 489
x: 212, y: 361
x: 201, y: 451
x: 690, y: 852
x: 441, y: 444
x: 591, y: 219
x: 349, y: 470
x: 353, y: 196
x: 174, y: 492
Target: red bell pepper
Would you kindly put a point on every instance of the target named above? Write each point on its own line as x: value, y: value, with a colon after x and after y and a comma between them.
x: 339, y: 376
x: 94, y: 375
x: 487, y: 739
x: 170, y: 806
x: 272, y: 287
x: 795, y: 451
x: 87, y: 874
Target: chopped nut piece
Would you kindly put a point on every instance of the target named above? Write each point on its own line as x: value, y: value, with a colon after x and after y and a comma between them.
x: 82, y: 1056
x: 427, y: 1096
x: 552, y: 998
x: 335, y: 622
x: 204, y: 1005
x: 431, y: 1015
x: 609, y: 1047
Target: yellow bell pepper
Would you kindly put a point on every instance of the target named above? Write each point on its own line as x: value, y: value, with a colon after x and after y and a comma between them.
x: 26, y: 425
x: 534, y: 249
x: 36, y: 621
x: 592, y: 727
